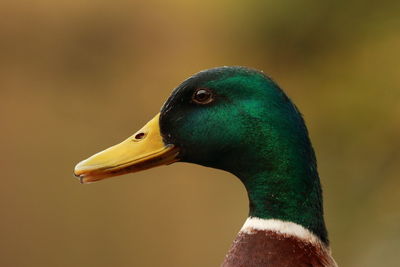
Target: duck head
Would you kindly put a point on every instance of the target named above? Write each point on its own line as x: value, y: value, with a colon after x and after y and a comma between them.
x: 235, y: 119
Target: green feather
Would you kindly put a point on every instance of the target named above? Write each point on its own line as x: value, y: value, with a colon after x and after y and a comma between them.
x: 254, y: 131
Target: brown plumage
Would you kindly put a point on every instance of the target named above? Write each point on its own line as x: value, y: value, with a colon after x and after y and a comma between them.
x: 271, y: 249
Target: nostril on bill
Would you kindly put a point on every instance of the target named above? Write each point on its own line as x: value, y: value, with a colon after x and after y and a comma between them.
x: 140, y: 136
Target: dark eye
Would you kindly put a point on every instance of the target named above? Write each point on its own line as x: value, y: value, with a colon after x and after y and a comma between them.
x: 203, y: 96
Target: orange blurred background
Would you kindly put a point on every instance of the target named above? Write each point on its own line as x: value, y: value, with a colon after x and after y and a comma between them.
x: 79, y: 76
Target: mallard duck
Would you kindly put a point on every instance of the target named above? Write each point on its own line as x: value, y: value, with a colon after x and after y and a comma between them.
x: 237, y: 119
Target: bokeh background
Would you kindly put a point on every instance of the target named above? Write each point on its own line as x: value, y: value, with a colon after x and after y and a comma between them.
x: 79, y: 76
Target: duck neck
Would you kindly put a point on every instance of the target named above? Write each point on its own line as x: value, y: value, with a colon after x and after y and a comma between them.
x: 289, y: 193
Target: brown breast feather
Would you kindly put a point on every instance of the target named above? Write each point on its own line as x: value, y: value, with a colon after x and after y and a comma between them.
x: 267, y: 248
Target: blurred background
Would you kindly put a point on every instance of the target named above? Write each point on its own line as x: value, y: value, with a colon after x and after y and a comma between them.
x: 79, y: 76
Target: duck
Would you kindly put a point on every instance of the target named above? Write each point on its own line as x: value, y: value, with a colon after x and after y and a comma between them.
x: 239, y: 120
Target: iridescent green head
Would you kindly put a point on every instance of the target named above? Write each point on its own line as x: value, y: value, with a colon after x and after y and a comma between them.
x: 238, y: 120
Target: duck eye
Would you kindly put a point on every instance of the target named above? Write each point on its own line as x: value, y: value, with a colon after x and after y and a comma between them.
x: 203, y: 96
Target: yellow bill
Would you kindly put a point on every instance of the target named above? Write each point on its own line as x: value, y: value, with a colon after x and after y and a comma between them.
x: 143, y: 150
